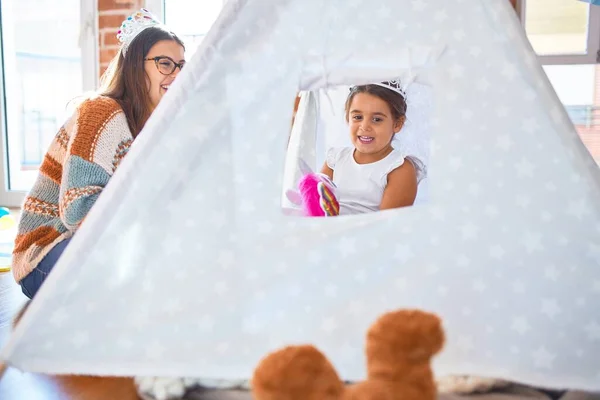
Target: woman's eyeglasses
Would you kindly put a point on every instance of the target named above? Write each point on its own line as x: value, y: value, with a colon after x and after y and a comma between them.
x: 165, y: 65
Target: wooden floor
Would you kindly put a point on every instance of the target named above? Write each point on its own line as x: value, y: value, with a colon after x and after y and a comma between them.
x: 16, y: 385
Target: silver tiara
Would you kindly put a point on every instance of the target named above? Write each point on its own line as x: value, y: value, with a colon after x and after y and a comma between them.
x: 394, y: 85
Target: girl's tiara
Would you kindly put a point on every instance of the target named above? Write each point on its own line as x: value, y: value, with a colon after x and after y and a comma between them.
x: 394, y: 85
x: 133, y: 25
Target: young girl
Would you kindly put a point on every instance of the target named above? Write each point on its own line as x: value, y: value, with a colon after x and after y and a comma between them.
x: 372, y: 175
x: 89, y: 147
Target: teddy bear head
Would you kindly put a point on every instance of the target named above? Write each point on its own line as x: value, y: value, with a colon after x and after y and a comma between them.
x: 399, y: 349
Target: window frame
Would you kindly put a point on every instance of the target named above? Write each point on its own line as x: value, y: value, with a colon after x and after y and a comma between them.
x: 157, y: 7
x: 88, y: 39
x: 593, y: 40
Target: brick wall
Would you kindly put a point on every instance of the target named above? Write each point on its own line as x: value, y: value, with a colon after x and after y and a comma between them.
x: 591, y: 139
x: 597, y: 86
x: 110, y: 15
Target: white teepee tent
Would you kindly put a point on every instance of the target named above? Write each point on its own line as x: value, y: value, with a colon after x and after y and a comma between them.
x: 187, y: 266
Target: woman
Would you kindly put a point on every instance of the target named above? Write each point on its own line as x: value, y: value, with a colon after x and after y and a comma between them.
x: 91, y: 144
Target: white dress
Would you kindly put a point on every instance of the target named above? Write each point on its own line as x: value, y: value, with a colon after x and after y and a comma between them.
x: 360, y: 186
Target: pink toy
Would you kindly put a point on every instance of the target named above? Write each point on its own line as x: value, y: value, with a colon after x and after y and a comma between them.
x: 316, y: 194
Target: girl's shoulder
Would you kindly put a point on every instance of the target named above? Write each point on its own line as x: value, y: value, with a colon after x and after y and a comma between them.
x: 397, y: 159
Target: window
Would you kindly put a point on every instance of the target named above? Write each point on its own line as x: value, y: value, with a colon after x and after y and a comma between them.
x: 562, y: 31
x: 566, y: 37
x: 39, y: 75
x: 190, y: 20
x: 575, y: 86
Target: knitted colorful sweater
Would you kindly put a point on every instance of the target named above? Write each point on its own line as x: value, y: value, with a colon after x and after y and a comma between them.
x: 79, y: 163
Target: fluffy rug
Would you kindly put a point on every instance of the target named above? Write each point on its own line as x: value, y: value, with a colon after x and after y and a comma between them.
x: 457, y: 388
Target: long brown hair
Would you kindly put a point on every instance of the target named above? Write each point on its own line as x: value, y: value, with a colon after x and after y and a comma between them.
x: 125, y: 79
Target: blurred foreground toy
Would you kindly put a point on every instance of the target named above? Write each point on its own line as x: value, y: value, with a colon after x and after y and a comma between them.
x: 399, y: 348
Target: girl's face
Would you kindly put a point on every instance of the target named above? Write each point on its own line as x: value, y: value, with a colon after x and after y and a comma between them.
x: 158, y: 83
x: 372, y: 126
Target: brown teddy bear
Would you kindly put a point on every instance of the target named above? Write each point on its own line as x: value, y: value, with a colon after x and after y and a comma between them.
x: 399, y: 349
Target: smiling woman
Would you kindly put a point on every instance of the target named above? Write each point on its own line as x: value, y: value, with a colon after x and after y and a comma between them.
x: 164, y: 71
x: 138, y: 94
x: 91, y: 144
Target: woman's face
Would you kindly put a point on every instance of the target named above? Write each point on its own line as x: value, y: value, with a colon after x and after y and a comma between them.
x: 158, y: 83
x: 372, y: 125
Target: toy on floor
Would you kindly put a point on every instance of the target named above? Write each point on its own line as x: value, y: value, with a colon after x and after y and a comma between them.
x: 399, y: 349
x: 7, y: 221
x: 315, y: 195
x: 4, y: 211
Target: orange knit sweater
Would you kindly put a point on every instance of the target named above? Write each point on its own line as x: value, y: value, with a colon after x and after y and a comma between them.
x: 79, y: 163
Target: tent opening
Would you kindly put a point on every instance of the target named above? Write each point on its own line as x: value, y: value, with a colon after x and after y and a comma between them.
x: 323, y: 130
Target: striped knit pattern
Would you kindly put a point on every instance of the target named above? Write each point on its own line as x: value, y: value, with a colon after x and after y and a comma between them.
x: 79, y: 163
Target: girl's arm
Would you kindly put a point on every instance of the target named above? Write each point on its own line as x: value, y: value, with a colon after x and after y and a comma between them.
x: 401, y: 188
x: 327, y: 171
